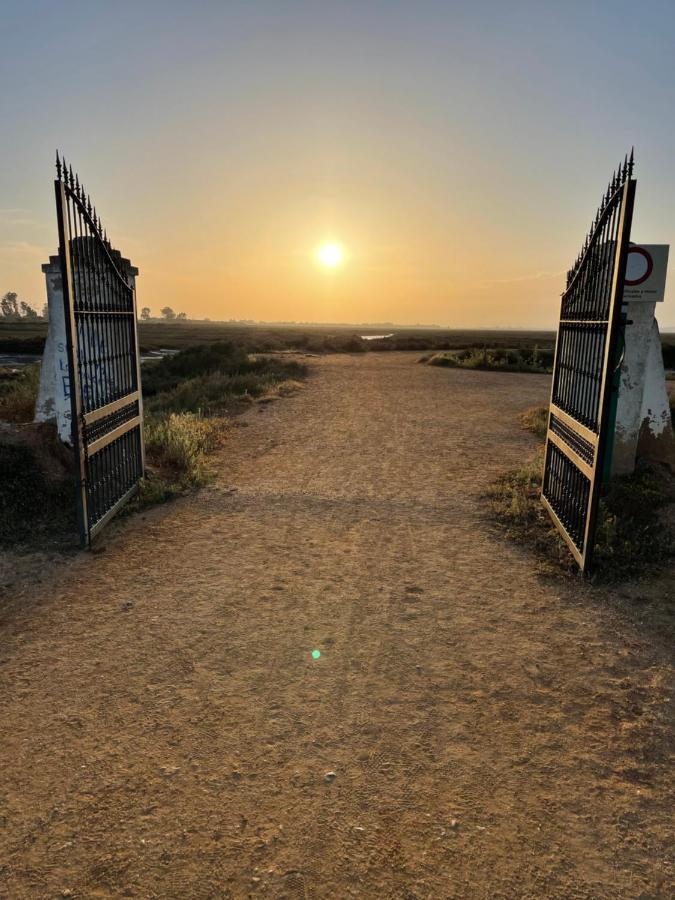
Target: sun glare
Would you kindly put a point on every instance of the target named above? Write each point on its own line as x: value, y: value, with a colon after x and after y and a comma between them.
x: 330, y: 255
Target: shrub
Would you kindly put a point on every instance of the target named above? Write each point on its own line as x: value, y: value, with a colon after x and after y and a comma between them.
x: 207, y: 375
x: 212, y: 394
x: 203, y: 359
x: 503, y: 359
x: 18, y: 393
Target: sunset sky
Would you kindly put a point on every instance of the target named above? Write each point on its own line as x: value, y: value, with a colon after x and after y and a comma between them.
x: 456, y: 151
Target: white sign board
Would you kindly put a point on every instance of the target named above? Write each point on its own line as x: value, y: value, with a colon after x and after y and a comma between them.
x: 646, y: 273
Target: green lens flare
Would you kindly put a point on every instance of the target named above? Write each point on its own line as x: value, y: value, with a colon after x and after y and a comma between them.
x: 316, y: 654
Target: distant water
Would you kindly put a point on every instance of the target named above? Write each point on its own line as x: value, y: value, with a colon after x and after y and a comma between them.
x: 156, y: 354
x: 375, y: 337
x: 18, y: 360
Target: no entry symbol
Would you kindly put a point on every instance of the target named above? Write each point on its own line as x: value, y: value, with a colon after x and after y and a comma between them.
x: 639, y: 265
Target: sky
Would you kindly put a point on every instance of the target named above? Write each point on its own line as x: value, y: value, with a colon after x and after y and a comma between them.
x: 456, y: 150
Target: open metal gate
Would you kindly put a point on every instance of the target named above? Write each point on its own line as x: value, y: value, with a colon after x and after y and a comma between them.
x: 580, y: 423
x: 103, y: 359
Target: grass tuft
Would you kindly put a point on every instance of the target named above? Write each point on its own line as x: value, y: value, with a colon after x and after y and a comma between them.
x: 18, y: 392
x: 176, y: 446
x: 535, y: 420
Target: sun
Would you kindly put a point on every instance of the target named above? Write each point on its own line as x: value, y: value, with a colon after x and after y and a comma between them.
x: 330, y: 255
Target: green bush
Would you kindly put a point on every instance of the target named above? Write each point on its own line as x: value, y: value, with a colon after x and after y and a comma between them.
x: 212, y: 394
x: 213, y: 372
x: 502, y: 359
x: 203, y: 359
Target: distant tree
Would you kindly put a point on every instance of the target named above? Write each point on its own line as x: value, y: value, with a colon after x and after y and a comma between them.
x: 182, y: 316
x: 10, y: 305
x: 45, y: 312
x: 27, y: 311
x: 168, y: 314
x: 145, y: 313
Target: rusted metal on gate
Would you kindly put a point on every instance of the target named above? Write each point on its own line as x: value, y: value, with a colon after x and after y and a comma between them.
x: 579, y: 439
x: 103, y: 359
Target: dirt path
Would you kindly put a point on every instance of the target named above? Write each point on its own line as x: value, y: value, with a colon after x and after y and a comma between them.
x: 166, y: 732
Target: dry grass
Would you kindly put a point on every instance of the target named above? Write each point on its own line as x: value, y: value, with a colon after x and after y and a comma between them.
x: 535, y: 420
x: 176, y: 448
x: 632, y: 537
x: 18, y: 392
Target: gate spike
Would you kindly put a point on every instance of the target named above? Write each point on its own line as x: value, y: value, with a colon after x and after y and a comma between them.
x: 89, y: 205
x: 630, y: 163
x: 58, y: 166
x: 77, y: 186
x: 72, y: 179
x: 625, y: 166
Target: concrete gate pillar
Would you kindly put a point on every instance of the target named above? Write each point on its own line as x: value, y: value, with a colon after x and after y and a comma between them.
x: 643, y: 422
x: 53, y: 401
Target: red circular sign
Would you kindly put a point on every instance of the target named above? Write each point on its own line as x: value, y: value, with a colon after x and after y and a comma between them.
x: 648, y: 271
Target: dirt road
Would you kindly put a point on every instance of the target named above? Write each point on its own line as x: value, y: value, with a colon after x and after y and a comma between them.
x: 166, y: 732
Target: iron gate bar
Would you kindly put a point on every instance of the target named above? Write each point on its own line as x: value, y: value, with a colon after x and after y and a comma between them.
x: 103, y: 360
x: 63, y: 225
x: 573, y: 455
x: 96, y: 414
x: 589, y: 435
x: 578, y: 443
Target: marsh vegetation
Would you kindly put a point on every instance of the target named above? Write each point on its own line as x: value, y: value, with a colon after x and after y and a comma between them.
x: 189, y: 399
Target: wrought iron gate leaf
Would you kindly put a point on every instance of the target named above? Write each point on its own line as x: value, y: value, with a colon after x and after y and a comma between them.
x: 103, y: 359
x: 579, y: 435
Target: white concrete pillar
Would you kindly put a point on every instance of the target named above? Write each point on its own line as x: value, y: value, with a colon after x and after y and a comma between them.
x: 53, y: 401
x: 643, y: 423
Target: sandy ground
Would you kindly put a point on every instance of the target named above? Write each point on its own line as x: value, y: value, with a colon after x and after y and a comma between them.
x: 167, y: 734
